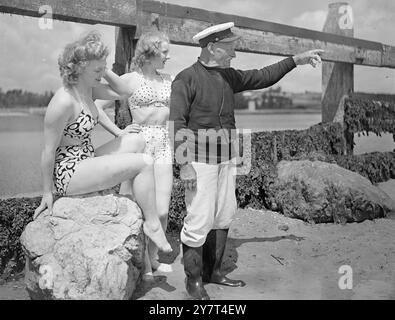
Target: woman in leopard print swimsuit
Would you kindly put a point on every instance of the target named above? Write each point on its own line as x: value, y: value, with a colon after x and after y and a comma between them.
x: 149, y: 106
x: 69, y: 160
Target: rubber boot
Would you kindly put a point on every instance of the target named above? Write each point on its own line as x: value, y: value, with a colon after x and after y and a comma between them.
x: 193, y: 270
x: 213, y: 252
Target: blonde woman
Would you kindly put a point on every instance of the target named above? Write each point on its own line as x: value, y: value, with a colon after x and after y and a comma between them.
x: 69, y: 161
x: 149, y: 107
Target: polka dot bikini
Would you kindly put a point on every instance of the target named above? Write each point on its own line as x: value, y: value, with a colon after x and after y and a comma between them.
x: 148, y: 96
x: 157, y: 143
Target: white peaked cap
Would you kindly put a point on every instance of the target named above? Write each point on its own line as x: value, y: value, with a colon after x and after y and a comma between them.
x: 217, y: 33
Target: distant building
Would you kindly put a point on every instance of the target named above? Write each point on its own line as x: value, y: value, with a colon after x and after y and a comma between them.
x: 267, y: 99
x: 275, y: 98
x: 307, y: 99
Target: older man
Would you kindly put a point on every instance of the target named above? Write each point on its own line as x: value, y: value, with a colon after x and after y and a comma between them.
x: 202, y: 111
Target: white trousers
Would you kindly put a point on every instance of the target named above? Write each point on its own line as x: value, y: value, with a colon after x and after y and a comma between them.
x: 212, y: 205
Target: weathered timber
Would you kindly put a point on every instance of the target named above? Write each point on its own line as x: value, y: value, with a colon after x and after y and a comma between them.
x: 181, y: 23
x: 261, y: 42
x: 125, y: 44
x: 210, y: 17
x: 112, y: 12
x: 337, y: 77
x: 263, y: 37
x: 126, y: 41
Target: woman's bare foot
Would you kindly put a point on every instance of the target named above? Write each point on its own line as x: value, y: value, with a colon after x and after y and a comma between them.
x: 148, y: 277
x: 154, y: 259
x: 161, y: 267
x: 157, y: 236
x: 147, y: 273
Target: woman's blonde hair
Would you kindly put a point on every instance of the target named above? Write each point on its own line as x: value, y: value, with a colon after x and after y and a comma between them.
x: 76, y: 56
x: 148, y: 46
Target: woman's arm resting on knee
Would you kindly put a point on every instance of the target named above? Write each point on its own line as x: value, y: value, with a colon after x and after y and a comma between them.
x: 58, y: 112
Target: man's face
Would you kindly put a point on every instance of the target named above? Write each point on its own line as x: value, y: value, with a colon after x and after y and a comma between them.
x: 223, y: 53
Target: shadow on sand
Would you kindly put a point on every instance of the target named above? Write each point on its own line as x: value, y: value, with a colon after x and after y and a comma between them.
x: 231, y: 256
x: 160, y: 281
x: 229, y: 262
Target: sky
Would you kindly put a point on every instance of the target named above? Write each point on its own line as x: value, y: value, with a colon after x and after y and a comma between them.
x: 28, y: 54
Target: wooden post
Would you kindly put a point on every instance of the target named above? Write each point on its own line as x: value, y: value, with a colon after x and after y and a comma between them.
x: 337, y: 78
x: 125, y: 43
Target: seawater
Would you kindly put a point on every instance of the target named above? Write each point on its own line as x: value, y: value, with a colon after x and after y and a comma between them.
x: 21, y: 143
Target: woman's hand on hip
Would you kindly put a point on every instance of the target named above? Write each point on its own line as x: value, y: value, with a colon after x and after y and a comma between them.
x: 132, y: 128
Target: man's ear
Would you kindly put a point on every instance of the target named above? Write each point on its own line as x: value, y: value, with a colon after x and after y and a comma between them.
x: 210, y: 47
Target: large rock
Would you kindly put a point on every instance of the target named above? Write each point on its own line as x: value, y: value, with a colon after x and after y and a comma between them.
x: 324, y: 192
x: 89, y: 248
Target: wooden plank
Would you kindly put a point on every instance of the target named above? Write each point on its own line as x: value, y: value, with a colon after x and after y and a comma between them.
x: 181, y: 23
x: 388, y: 57
x: 117, y: 13
x: 210, y: 17
x: 181, y: 31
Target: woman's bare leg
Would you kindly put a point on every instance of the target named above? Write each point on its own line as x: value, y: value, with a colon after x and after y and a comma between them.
x: 163, y: 187
x: 103, y: 172
x: 129, y: 143
x: 147, y: 272
x: 126, y: 188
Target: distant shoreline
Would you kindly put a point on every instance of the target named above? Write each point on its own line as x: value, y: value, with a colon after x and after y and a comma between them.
x: 21, y: 195
x: 21, y: 111
x: 278, y: 111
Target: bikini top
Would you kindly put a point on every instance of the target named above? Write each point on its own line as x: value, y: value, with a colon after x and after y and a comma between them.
x: 82, y: 126
x: 148, y: 96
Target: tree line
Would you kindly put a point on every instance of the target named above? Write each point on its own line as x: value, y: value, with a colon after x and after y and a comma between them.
x: 20, y: 98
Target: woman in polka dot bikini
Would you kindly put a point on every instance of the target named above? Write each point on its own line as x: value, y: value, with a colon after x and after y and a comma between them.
x: 149, y: 106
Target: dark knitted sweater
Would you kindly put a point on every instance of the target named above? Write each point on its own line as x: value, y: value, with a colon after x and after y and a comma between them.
x: 202, y: 98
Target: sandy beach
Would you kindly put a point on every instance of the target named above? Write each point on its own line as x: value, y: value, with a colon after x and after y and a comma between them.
x: 302, y: 262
